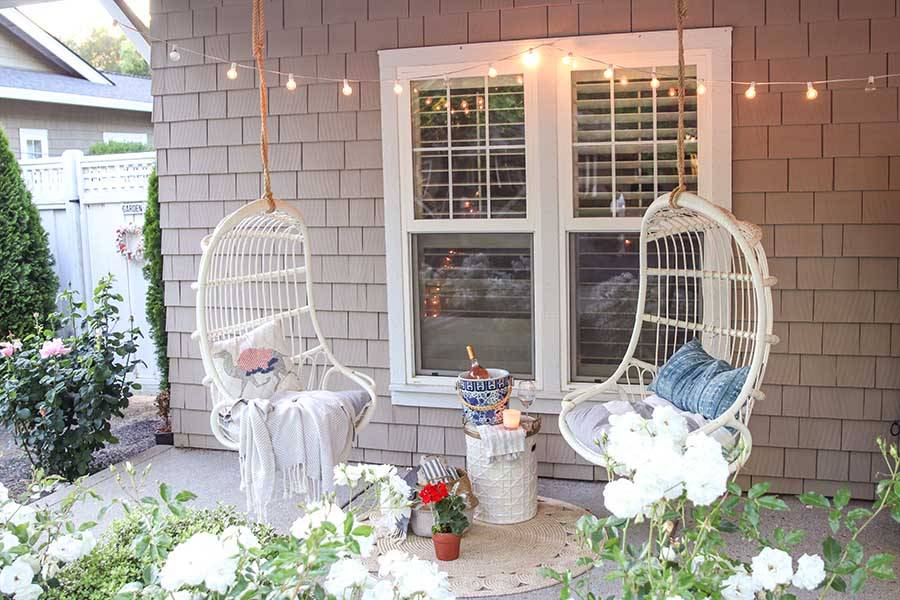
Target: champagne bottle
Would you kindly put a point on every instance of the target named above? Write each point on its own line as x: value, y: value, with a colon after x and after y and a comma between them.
x: 476, y: 371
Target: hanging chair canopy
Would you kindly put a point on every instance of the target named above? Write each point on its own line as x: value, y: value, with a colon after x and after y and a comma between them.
x: 256, y: 275
x: 703, y: 274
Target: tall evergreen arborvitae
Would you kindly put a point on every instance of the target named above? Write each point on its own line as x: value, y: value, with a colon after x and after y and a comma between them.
x: 28, y: 284
x: 153, y: 273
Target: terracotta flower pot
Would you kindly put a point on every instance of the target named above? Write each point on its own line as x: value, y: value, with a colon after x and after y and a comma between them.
x: 446, y: 546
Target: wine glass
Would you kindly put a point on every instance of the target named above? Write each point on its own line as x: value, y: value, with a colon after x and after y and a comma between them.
x: 525, y: 390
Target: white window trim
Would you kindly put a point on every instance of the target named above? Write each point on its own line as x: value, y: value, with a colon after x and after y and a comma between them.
x: 548, y: 167
x: 124, y: 136
x: 27, y: 135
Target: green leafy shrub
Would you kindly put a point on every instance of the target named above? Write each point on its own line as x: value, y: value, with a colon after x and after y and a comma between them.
x: 153, y: 273
x: 59, y: 394
x: 27, y: 282
x: 113, y: 563
x: 113, y: 147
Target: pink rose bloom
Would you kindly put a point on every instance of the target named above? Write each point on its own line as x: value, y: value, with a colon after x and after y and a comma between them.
x: 53, y: 347
x: 7, y: 349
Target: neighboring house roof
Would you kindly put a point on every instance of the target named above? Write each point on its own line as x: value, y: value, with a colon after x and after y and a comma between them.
x: 125, y: 92
x: 78, y: 83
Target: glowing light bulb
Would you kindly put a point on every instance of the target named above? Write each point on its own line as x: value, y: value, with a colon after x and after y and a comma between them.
x: 231, y: 73
x: 291, y: 84
x: 672, y: 92
x: 530, y: 58
x: 623, y: 80
x: 568, y: 59
x: 811, y: 92
x: 608, y: 72
x: 750, y: 94
x: 520, y: 80
x: 174, y: 54
x: 492, y: 71
x: 701, y: 88
x: 398, y: 89
x: 654, y: 82
x: 346, y: 89
x: 870, y: 83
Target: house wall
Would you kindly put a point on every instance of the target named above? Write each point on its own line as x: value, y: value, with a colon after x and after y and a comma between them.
x: 69, y: 127
x: 821, y: 177
x: 16, y: 54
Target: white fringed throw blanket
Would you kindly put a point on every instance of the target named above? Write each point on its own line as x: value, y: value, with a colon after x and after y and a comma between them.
x: 300, y: 434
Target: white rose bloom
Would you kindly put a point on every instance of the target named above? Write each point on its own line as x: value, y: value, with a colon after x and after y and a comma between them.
x: 189, y: 562
x: 220, y: 574
x: 705, y: 485
x: 8, y: 541
x: 389, y: 560
x: 668, y: 423
x: 373, y: 472
x: 182, y: 595
x: 18, y: 514
x: 668, y: 554
x: 344, y: 577
x: 629, y: 440
x: 623, y: 498
x: 701, y: 449
x: 383, y: 590
x: 810, y: 572
x: 65, y: 548
x: 318, y: 513
x: 661, y: 478
x: 366, y: 544
x: 739, y: 586
x: 88, y: 542
x: 420, y: 577
x: 347, y: 475
x: 771, y: 567
x: 236, y: 537
x: 15, y: 577
x: 32, y: 591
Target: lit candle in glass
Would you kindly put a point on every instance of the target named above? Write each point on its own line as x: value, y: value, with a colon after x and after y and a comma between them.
x: 511, y: 418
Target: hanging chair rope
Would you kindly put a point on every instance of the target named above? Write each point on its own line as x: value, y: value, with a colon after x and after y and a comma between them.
x: 680, y: 14
x: 259, y: 49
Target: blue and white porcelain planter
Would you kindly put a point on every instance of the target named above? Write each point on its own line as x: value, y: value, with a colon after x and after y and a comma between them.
x: 483, y: 400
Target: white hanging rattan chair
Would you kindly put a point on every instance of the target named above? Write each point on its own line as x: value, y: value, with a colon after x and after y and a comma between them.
x: 703, y: 273
x: 255, y: 270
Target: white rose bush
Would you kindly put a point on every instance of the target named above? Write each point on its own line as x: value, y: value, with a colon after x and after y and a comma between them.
x: 36, y: 543
x: 679, y: 489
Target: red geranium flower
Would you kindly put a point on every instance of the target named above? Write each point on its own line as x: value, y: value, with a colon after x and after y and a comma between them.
x: 432, y: 493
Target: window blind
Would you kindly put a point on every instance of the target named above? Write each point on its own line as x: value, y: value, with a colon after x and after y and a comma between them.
x: 624, y: 139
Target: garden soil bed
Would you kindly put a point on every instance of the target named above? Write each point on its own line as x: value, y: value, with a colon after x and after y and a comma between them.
x: 135, y: 432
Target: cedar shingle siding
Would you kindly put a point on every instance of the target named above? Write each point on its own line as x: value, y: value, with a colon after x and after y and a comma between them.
x: 821, y: 177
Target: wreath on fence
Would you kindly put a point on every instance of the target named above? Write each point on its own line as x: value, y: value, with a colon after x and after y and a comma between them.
x: 123, y: 233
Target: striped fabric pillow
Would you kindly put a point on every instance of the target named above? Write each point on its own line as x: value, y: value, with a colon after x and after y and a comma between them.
x: 694, y: 381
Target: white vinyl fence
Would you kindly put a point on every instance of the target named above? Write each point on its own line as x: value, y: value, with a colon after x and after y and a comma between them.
x: 83, y: 200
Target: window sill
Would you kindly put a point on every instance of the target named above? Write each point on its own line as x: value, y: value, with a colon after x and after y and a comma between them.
x: 444, y: 396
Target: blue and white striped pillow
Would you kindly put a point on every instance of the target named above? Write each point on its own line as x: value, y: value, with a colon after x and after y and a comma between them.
x: 696, y: 382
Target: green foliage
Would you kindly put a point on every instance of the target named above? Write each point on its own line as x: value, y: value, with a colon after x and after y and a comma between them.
x: 153, y: 273
x: 113, y: 563
x: 59, y: 407
x: 449, y: 515
x: 115, y: 147
x: 112, y: 53
x: 27, y: 282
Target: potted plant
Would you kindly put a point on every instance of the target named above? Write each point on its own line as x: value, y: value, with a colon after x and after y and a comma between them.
x: 164, y: 435
x: 449, y: 519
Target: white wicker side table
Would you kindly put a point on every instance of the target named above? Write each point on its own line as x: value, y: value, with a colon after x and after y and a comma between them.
x: 506, y: 490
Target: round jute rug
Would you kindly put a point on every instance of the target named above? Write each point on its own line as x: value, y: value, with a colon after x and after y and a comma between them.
x: 498, y: 560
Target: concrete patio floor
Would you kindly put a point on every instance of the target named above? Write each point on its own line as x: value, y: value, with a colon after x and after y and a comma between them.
x: 213, y: 476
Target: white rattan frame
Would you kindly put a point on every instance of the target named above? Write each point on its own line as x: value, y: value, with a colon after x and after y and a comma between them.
x: 256, y: 268
x: 698, y: 244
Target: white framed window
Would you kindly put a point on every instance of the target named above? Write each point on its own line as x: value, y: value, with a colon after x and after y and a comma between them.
x: 113, y: 136
x: 513, y: 202
x: 33, y: 143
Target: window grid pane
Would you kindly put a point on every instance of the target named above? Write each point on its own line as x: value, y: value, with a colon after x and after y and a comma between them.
x: 624, y: 140
x: 469, y: 148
